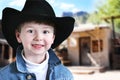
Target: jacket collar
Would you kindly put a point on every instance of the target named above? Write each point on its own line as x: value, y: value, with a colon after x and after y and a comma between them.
x: 53, y: 60
x: 20, y: 63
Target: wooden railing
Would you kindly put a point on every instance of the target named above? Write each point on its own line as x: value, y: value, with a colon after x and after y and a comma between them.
x: 6, y: 51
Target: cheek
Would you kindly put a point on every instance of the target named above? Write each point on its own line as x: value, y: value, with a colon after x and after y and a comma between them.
x: 50, y: 39
x: 25, y: 40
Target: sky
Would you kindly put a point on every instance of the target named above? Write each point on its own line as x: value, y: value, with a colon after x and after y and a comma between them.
x: 59, y: 6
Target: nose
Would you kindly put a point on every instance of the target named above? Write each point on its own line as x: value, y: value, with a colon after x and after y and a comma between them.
x: 38, y: 36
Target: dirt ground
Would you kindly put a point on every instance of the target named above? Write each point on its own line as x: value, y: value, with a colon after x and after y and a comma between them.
x: 86, y: 73
x: 107, y: 75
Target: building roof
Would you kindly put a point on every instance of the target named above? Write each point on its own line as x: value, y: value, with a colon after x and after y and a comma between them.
x: 87, y: 27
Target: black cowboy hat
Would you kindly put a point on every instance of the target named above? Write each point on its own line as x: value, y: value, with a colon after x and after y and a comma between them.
x: 35, y: 9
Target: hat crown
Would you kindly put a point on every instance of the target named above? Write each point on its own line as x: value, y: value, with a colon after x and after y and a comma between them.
x: 38, y: 7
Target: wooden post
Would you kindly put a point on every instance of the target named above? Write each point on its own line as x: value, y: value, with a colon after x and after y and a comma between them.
x: 112, y: 20
x: 2, y: 52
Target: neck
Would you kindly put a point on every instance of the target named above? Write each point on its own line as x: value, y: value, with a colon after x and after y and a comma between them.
x: 35, y: 59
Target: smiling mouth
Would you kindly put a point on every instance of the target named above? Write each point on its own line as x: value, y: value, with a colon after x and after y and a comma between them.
x: 37, y: 46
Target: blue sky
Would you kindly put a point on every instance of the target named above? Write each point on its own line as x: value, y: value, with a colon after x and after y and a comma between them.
x: 59, y: 6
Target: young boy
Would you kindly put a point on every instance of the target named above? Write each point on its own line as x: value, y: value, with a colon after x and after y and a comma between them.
x: 33, y: 33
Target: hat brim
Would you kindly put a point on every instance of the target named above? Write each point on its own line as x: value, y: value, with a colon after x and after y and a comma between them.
x: 11, y: 18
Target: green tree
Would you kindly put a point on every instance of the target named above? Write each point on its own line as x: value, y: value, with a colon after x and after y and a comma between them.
x: 110, y: 8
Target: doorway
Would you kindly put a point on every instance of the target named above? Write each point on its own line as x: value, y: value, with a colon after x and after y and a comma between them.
x: 84, y: 50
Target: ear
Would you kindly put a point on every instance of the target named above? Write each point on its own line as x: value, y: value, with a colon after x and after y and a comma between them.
x: 53, y: 39
x: 17, y: 34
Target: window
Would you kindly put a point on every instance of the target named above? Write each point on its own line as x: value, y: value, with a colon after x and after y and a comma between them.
x: 97, y: 45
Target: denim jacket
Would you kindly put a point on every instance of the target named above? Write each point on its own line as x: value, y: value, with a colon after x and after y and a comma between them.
x: 17, y: 70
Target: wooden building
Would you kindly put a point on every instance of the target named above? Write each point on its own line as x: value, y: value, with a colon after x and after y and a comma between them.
x: 91, y: 45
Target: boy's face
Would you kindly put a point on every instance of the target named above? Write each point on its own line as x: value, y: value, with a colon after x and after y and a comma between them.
x: 36, y: 38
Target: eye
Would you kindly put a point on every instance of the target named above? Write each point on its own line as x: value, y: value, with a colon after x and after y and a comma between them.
x: 45, y: 32
x: 30, y: 31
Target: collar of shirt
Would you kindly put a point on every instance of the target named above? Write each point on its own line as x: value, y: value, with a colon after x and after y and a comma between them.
x: 35, y: 67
